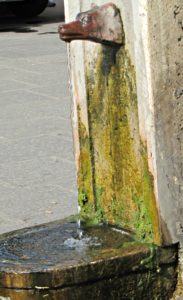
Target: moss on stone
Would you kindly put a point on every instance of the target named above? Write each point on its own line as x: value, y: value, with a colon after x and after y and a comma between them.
x: 85, y: 180
x: 113, y: 157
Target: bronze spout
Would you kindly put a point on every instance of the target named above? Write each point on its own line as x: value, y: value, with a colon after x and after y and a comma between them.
x: 100, y: 24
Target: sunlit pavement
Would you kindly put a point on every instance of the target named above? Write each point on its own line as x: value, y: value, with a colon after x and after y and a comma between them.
x: 37, y: 174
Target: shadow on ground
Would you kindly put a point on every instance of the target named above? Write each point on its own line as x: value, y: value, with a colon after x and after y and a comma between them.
x: 10, y: 23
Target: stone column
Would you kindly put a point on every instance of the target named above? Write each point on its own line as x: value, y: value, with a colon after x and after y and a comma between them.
x: 128, y: 121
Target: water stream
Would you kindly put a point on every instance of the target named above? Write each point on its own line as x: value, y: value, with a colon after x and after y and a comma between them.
x: 80, y: 232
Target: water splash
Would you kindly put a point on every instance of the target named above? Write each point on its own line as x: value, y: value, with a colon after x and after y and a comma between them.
x: 81, y: 243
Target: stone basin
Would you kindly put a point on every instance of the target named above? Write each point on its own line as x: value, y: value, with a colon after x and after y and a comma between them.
x: 59, y: 261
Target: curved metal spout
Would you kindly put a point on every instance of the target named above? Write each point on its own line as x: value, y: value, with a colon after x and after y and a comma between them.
x: 101, y: 24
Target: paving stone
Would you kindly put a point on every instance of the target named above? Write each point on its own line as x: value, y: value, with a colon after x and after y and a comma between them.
x: 37, y: 170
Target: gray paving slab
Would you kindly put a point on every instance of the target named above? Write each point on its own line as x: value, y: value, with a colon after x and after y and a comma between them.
x: 37, y: 171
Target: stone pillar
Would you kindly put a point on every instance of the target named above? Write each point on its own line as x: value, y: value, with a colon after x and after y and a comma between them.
x: 166, y: 54
x: 127, y: 121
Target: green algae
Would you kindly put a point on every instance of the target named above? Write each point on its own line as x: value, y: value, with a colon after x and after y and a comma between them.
x: 85, y: 180
x: 115, y: 184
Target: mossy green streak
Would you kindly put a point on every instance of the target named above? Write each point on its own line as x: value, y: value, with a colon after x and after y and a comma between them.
x: 116, y: 184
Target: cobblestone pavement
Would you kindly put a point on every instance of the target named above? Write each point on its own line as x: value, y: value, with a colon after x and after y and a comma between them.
x: 37, y: 174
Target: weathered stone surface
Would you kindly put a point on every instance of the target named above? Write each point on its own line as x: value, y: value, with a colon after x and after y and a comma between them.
x: 115, y: 182
x: 166, y: 52
x: 145, y: 285
x: 155, y: 53
x: 123, y: 190
x: 152, y: 74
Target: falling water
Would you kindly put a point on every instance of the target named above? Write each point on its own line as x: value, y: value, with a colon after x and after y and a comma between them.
x: 80, y: 231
